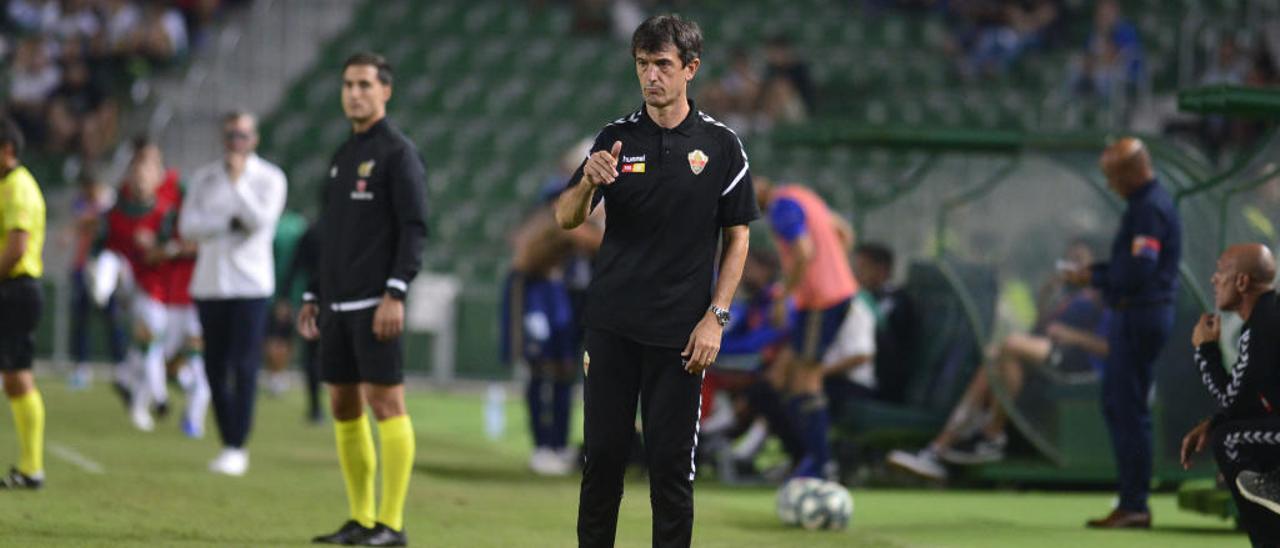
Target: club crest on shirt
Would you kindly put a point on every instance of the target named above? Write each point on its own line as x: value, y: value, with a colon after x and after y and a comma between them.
x: 697, y: 161
x: 365, y: 169
x: 361, y: 192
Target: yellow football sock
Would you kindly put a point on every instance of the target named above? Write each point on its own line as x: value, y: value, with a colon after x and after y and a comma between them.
x: 355, y: 453
x: 28, y: 417
x: 396, y: 435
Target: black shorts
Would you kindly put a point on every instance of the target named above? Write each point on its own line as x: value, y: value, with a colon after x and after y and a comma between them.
x: 21, y: 303
x: 350, y: 354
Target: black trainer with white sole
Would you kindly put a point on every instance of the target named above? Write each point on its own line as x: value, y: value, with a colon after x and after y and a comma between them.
x: 1261, y: 489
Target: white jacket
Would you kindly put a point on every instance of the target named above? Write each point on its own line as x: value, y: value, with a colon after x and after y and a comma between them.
x: 233, y: 264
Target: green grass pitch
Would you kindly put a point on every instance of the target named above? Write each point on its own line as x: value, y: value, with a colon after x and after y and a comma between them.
x: 109, y: 485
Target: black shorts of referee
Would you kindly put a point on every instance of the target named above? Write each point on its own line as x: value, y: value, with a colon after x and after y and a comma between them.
x: 21, y: 304
x: 351, y: 354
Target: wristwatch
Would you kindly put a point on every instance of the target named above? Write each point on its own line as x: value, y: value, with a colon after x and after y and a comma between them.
x: 722, y: 315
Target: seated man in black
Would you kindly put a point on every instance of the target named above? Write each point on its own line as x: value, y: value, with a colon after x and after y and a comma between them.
x: 1245, y: 432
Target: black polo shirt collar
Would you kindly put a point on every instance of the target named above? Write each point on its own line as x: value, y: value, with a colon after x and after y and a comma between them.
x: 376, y: 128
x: 687, y: 127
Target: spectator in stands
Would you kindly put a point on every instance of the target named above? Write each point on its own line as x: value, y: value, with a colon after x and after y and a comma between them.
x: 82, y: 116
x: 733, y: 97
x: 1069, y: 339
x: 1014, y: 27
x: 92, y: 201
x: 33, y: 80
x: 1112, y: 60
x: 77, y: 24
x: 33, y: 16
x: 121, y: 19
x: 788, y: 93
x: 161, y: 33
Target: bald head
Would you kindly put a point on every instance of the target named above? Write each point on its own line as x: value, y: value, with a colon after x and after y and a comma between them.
x: 1252, y: 260
x: 1127, y: 165
x: 1244, y: 272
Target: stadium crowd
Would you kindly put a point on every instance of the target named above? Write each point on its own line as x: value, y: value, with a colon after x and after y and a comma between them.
x: 75, y: 62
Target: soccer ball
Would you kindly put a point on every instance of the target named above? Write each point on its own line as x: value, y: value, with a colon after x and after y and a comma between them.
x: 815, y: 504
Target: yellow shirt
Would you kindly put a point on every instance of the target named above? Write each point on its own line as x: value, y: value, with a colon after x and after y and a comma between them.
x: 22, y: 208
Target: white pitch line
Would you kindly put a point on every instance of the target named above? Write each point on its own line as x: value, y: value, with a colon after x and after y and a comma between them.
x: 75, y: 457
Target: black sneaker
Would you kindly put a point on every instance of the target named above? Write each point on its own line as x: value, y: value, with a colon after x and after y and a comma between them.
x: 1262, y: 489
x: 351, y: 533
x: 17, y: 480
x: 382, y: 535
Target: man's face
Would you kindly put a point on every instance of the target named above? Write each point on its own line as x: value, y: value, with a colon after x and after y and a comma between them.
x: 240, y: 136
x: 1079, y: 255
x: 1226, y: 285
x: 663, y: 78
x: 146, y: 171
x: 364, y: 97
x: 870, y: 274
x: 1113, y: 170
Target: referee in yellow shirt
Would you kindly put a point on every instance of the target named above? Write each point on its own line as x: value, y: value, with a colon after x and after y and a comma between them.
x: 21, y: 239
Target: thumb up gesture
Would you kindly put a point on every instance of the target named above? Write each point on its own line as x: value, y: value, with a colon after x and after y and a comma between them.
x: 602, y: 167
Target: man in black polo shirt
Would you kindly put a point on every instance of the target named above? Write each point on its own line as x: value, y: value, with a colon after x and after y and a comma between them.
x: 673, y: 181
x: 372, y: 227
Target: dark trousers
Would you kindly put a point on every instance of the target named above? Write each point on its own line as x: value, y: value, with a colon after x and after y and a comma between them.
x: 1135, y: 339
x: 1250, y: 445
x: 622, y: 370
x: 82, y: 309
x: 234, y: 330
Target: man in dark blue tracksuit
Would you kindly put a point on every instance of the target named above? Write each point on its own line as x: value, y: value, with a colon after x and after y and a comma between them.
x: 1139, y: 284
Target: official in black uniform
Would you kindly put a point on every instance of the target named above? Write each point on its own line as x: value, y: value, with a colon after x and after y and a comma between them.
x: 674, y: 183
x: 372, y: 227
x: 1245, y: 432
x: 1139, y: 284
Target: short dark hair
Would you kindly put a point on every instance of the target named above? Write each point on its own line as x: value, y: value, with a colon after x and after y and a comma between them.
x: 234, y: 115
x: 11, y: 134
x: 878, y: 253
x: 141, y: 141
x: 368, y: 58
x: 660, y: 30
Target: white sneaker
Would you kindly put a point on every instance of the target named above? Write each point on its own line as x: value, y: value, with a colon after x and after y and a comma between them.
x: 545, y: 462
x: 923, y: 463
x: 141, y: 418
x: 277, y: 384
x: 230, y: 462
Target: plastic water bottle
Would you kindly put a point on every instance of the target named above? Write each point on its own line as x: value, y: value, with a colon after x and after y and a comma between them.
x: 495, y: 413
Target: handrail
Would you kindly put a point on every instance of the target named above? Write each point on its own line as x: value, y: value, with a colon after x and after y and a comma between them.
x: 910, y: 182
x: 1270, y: 171
x: 967, y: 196
x: 1242, y: 161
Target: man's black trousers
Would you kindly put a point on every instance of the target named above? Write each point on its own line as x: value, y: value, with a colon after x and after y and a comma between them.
x: 622, y: 372
x: 1252, y: 444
